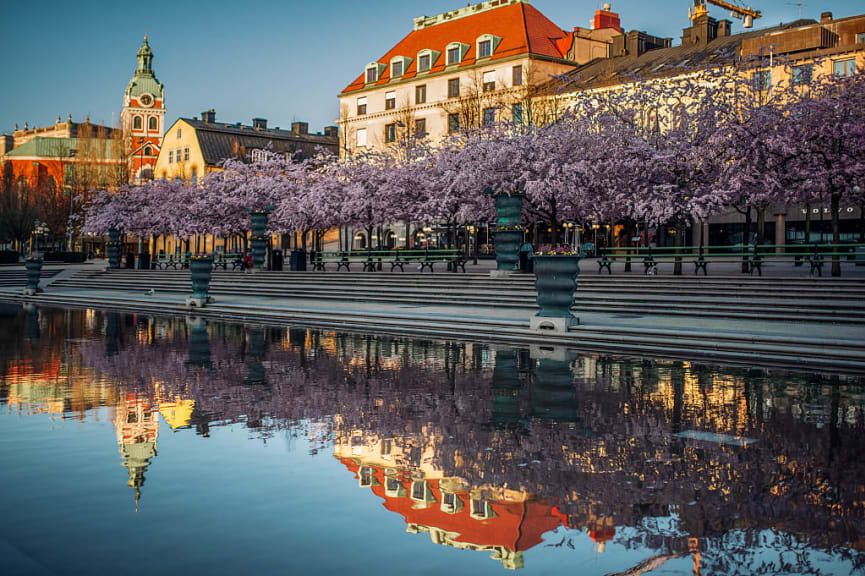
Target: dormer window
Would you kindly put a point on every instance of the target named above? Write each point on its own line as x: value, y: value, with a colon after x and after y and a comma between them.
x: 399, y: 65
x: 373, y: 71
x: 456, y: 52
x: 486, y: 45
x: 426, y: 59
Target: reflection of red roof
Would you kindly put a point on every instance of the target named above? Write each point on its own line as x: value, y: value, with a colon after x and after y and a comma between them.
x: 522, y: 28
x: 602, y: 535
x: 516, y: 526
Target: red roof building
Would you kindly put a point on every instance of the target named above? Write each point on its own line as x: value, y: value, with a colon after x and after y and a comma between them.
x: 464, y: 68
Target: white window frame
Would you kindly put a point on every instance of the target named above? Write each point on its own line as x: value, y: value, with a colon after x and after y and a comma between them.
x: 494, y: 43
x: 362, y: 101
x: 403, y: 61
x: 433, y: 58
x: 378, y: 67
x: 848, y: 72
x: 390, y: 96
x: 361, y: 138
x: 171, y: 156
x: 489, y: 77
x: 463, y: 48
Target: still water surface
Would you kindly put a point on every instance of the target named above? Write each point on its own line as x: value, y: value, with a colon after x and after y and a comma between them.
x: 132, y: 444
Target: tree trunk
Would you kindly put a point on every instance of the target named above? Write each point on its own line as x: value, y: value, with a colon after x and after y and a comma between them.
x: 836, y: 234
x: 862, y: 223
x: 677, y: 266
x: 407, y: 234
x: 746, y: 238
x: 761, y: 224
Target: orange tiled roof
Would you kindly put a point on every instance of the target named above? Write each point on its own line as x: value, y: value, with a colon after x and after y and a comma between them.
x: 522, y: 28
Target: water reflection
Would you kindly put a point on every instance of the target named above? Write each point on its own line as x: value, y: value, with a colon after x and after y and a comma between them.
x: 487, y: 448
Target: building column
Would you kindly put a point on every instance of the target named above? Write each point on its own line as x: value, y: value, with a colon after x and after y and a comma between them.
x: 780, y: 232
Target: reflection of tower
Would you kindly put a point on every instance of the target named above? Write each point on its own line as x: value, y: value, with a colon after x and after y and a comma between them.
x: 554, y: 396
x: 112, y: 333
x: 137, y: 427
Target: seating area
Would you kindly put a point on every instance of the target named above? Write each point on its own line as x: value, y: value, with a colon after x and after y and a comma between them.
x: 753, y: 257
x: 376, y: 260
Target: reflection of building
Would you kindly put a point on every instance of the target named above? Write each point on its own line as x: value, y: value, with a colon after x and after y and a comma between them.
x: 506, y: 524
x: 137, y: 426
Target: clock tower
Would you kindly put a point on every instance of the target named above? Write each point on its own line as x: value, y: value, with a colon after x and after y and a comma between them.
x: 143, y: 116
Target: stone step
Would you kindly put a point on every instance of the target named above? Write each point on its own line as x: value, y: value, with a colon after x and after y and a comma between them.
x: 836, y: 355
x: 817, y: 300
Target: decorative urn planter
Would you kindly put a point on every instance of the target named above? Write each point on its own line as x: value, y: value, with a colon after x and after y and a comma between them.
x: 113, y: 248
x: 554, y: 396
x: 508, y: 208
x: 258, y: 225
x: 34, y: 273
x: 508, y: 242
x: 201, y: 270
x: 556, y: 282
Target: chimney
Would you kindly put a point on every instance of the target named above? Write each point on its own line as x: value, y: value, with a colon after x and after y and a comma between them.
x: 724, y: 28
x: 300, y: 128
x: 825, y: 17
x: 606, y: 18
x: 209, y: 116
x: 259, y: 123
x: 331, y: 131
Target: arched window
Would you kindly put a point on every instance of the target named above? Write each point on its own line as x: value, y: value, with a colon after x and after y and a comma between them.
x: 152, y: 123
x: 148, y: 151
x: 136, y: 123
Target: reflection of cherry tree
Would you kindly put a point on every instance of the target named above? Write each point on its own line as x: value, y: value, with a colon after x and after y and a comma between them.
x: 608, y: 456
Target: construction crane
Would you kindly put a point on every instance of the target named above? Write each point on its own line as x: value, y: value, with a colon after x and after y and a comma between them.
x: 748, y: 15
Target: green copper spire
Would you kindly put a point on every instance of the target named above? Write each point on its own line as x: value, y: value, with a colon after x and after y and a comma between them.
x: 145, y: 59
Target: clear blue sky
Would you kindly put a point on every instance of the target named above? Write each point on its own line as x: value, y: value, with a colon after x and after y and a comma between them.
x: 282, y: 60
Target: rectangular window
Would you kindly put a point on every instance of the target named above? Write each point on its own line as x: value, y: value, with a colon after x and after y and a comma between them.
x: 517, y: 75
x: 802, y: 74
x: 186, y: 154
x: 361, y: 106
x: 390, y: 101
x: 361, y: 136
x: 420, y: 127
x: 489, y: 116
x: 396, y: 69
x: 454, y: 88
x: 762, y: 80
x: 489, y: 81
x: 418, y: 490
x: 371, y: 75
x: 453, y: 122
x: 860, y: 38
x: 420, y: 94
x: 845, y: 67
x: 390, y: 133
x: 517, y: 111
x: 454, y: 55
x: 177, y: 155
x: 424, y: 63
x: 178, y: 133
x: 485, y: 49
x: 171, y: 156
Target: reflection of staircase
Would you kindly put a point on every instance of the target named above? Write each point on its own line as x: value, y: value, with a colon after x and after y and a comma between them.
x: 18, y: 277
x: 789, y: 299
x: 473, y: 306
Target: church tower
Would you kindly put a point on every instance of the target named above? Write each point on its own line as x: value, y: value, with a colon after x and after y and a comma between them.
x: 144, y: 116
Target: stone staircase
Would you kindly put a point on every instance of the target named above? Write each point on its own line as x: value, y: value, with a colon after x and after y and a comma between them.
x: 833, y: 300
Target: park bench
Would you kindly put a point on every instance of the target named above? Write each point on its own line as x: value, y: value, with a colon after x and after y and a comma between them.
x: 224, y: 260
x: 172, y: 261
x: 374, y: 260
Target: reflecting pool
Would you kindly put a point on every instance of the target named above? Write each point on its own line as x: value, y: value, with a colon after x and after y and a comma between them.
x: 134, y: 444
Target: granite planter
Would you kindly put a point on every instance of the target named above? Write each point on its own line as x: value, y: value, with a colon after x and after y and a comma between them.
x: 201, y: 270
x: 113, y: 248
x: 508, y: 209
x: 258, y: 225
x: 556, y: 282
x: 34, y: 273
x: 508, y: 244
